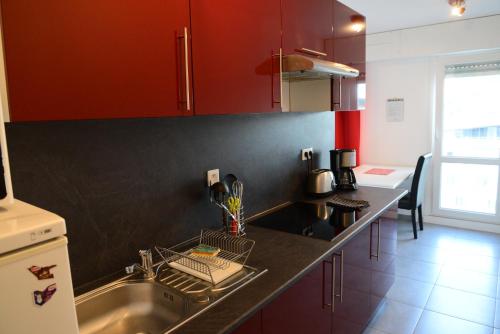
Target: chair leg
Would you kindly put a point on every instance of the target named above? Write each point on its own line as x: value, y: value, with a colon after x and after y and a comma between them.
x: 414, y: 222
x: 420, y: 218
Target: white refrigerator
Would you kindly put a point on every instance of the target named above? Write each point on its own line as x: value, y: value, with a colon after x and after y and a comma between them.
x: 36, y: 292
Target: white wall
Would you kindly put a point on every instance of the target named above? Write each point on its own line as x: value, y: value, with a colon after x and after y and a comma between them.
x: 402, y: 64
x: 398, y: 143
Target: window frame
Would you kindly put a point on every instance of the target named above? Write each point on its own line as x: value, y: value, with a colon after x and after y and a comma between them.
x: 436, y: 210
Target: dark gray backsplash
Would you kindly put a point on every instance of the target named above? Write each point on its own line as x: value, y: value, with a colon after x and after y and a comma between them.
x: 124, y: 185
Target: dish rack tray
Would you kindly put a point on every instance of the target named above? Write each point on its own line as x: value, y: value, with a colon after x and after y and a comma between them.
x: 234, y: 252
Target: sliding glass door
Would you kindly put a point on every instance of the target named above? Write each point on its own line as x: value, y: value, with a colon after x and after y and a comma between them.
x: 468, y: 143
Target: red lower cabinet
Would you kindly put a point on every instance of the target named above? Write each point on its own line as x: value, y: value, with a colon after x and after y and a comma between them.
x: 252, y: 325
x: 300, y: 308
x: 364, y: 276
x: 361, y: 282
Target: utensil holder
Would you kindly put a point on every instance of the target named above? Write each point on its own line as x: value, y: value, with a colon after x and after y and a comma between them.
x: 234, y: 227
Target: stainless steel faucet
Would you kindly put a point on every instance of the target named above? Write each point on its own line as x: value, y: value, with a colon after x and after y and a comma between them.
x: 147, y: 264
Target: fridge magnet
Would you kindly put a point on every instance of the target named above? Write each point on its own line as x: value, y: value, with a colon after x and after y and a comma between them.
x: 41, y: 297
x: 42, y: 272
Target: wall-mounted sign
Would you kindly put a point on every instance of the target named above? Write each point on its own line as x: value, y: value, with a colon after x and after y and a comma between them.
x: 395, y: 110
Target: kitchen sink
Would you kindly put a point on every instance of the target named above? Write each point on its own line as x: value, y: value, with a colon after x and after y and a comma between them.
x: 131, y: 307
x: 134, y: 305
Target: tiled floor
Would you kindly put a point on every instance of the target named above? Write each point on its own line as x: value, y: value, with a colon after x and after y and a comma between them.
x: 447, y: 281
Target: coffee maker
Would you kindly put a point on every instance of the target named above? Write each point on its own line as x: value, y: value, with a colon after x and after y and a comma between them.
x: 342, y: 161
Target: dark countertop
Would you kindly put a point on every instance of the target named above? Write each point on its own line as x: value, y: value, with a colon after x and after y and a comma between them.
x: 288, y: 257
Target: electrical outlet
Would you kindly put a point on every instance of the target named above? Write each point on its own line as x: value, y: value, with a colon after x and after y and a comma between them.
x: 305, y: 152
x: 212, y: 177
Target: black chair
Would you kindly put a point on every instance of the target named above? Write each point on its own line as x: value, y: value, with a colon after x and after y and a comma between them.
x: 414, y: 199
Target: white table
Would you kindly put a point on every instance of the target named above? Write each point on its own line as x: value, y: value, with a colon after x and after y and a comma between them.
x: 392, y: 180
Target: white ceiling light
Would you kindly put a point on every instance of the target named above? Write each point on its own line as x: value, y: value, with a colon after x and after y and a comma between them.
x: 457, y: 7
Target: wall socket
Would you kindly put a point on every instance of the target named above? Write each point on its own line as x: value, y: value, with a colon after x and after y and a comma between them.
x: 212, y: 177
x: 305, y: 152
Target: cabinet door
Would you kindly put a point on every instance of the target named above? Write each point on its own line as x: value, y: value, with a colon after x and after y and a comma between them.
x: 308, y: 25
x: 251, y: 326
x: 349, y: 47
x: 90, y: 59
x: 300, y: 308
x: 233, y: 46
x: 366, y: 281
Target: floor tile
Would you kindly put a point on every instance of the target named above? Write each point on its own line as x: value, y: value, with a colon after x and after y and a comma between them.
x: 464, y: 305
x: 432, y: 322
x: 410, y: 249
x: 431, y: 235
x: 466, y: 247
x: 484, y: 237
x: 483, y: 264
x: 496, y: 331
x: 395, y: 318
x: 417, y: 270
x: 411, y: 292
x: 470, y: 281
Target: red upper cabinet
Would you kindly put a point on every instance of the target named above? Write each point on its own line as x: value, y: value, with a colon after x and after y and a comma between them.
x: 233, y: 44
x: 350, y: 49
x: 308, y: 25
x: 85, y: 59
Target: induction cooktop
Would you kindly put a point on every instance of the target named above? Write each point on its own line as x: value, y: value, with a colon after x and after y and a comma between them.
x: 315, y: 220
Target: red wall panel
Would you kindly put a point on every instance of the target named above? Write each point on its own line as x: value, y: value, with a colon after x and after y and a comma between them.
x: 347, y: 131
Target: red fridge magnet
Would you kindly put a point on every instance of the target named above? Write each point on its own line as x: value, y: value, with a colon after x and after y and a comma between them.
x: 42, y: 272
x: 41, y: 297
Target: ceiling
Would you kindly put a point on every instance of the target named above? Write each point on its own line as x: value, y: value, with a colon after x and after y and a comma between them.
x: 386, y: 15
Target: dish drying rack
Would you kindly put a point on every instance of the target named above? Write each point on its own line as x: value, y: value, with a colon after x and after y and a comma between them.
x: 232, y: 257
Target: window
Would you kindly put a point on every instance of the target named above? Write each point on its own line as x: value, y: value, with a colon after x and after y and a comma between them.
x: 469, y: 163
x: 471, y: 108
x: 361, y: 95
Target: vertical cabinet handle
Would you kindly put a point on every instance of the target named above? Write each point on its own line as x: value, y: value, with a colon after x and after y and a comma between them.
x: 340, y: 92
x: 377, y: 255
x: 341, y: 294
x: 339, y: 103
x: 186, y: 62
x: 185, y: 37
x: 273, y: 55
x: 333, y: 282
x: 333, y: 262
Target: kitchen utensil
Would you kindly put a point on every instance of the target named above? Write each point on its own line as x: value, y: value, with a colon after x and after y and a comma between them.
x: 228, y: 180
x: 233, y: 204
x: 218, y: 191
x: 320, y: 182
x: 237, y: 188
x: 347, y: 203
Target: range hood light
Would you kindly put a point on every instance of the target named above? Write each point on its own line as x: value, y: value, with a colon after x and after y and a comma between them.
x: 357, y: 23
